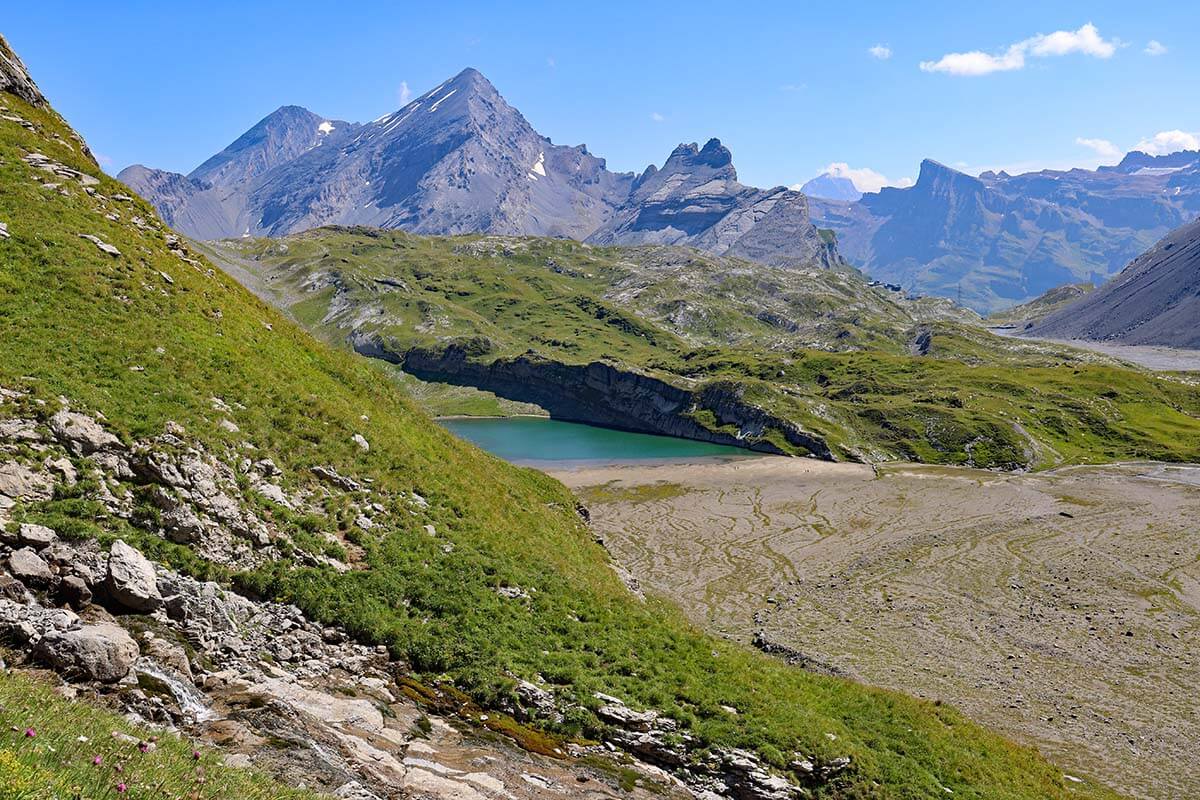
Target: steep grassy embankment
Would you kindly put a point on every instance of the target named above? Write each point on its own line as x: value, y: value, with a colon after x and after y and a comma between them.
x: 868, y: 374
x: 151, y: 336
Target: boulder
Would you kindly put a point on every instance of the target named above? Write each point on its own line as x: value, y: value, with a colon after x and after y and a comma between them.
x: 132, y: 580
x: 29, y: 568
x: 38, y: 537
x: 12, y: 589
x: 81, y: 434
x: 20, y: 482
x: 74, y: 591
x: 103, y: 652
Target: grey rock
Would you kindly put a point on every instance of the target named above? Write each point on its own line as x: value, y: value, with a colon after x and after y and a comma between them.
x: 29, y: 568
x: 131, y: 578
x: 36, y: 536
x: 102, y: 652
x: 74, y: 591
x: 81, y: 434
x: 13, y: 590
x: 104, y: 246
x: 22, y: 483
x: 14, y: 78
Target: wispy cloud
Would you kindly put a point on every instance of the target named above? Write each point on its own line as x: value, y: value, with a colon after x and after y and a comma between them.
x: 404, y: 94
x: 880, y: 51
x: 794, y: 87
x: 657, y: 117
x: 1101, y: 147
x: 1155, y: 48
x: 1164, y: 142
x: 864, y: 179
x: 1086, y: 41
x: 551, y: 62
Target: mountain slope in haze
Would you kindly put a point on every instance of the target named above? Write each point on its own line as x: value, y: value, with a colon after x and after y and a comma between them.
x: 473, y: 573
x: 459, y: 159
x: 1003, y: 239
x: 827, y: 186
x: 1153, y: 301
x: 1040, y: 307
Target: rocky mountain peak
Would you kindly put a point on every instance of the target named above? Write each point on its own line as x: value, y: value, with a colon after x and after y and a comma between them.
x: 691, y: 157
x: 14, y: 78
x: 937, y: 178
x: 278, y: 137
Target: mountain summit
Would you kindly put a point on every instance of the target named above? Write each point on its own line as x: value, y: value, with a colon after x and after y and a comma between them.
x: 460, y: 159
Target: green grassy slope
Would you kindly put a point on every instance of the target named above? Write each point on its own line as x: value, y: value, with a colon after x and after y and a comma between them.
x: 819, y: 348
x: 146, y: 338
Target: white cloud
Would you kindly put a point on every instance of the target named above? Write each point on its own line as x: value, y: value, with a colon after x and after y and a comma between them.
x: 1087, y: 40
x: 794, y: 87
x: 1101, y: 147
x: 1155, y: 48
x: 404, y: 93
x: 551, y: 62
x: 864, y: 179
x: 657, y: 117
x: 1164, y: 142
x: 880, y: 51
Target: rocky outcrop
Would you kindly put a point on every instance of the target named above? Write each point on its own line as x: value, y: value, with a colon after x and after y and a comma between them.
x: 103, y: 652
x: 131, y: 579
x: 14, y: 78
x: 602, y: 394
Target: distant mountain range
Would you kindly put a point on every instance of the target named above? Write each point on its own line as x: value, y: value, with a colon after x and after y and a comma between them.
x: 1153, y: 301
x: 459, y: 159
x: 1001, y: 239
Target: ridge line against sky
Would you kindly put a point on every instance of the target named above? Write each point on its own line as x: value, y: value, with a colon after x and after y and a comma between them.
x: 792, y: 90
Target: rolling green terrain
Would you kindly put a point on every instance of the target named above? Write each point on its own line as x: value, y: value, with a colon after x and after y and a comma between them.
x: 150, y: 334
x: 874, y: 376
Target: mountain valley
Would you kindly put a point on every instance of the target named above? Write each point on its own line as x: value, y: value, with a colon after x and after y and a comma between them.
x: 882, y: 494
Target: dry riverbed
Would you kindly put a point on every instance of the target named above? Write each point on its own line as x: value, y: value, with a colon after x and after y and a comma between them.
x: 1060, y: 607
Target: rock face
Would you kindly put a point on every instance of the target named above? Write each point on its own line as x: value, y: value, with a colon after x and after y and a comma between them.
x: 1153, y: 301
x: 103, y: 652
x: 1005, y: 239
x: 695, y: 199
x: 14, y: 78
x: 131, y: 578
x: 601, y: 394
x: 459, y: 159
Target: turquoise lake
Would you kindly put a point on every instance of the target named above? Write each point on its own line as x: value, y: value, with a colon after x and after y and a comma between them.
x: 536, y: 440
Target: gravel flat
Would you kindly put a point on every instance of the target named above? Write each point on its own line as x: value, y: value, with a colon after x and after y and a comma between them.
x: 1062, y: 608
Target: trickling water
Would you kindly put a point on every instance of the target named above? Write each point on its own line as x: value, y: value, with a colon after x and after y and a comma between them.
x: 191, y: 700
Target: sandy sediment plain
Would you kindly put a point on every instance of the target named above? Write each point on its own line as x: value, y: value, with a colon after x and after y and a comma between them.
x: 1059, y: 607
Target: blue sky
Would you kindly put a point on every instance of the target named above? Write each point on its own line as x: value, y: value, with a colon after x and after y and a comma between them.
x: 789, y: 87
